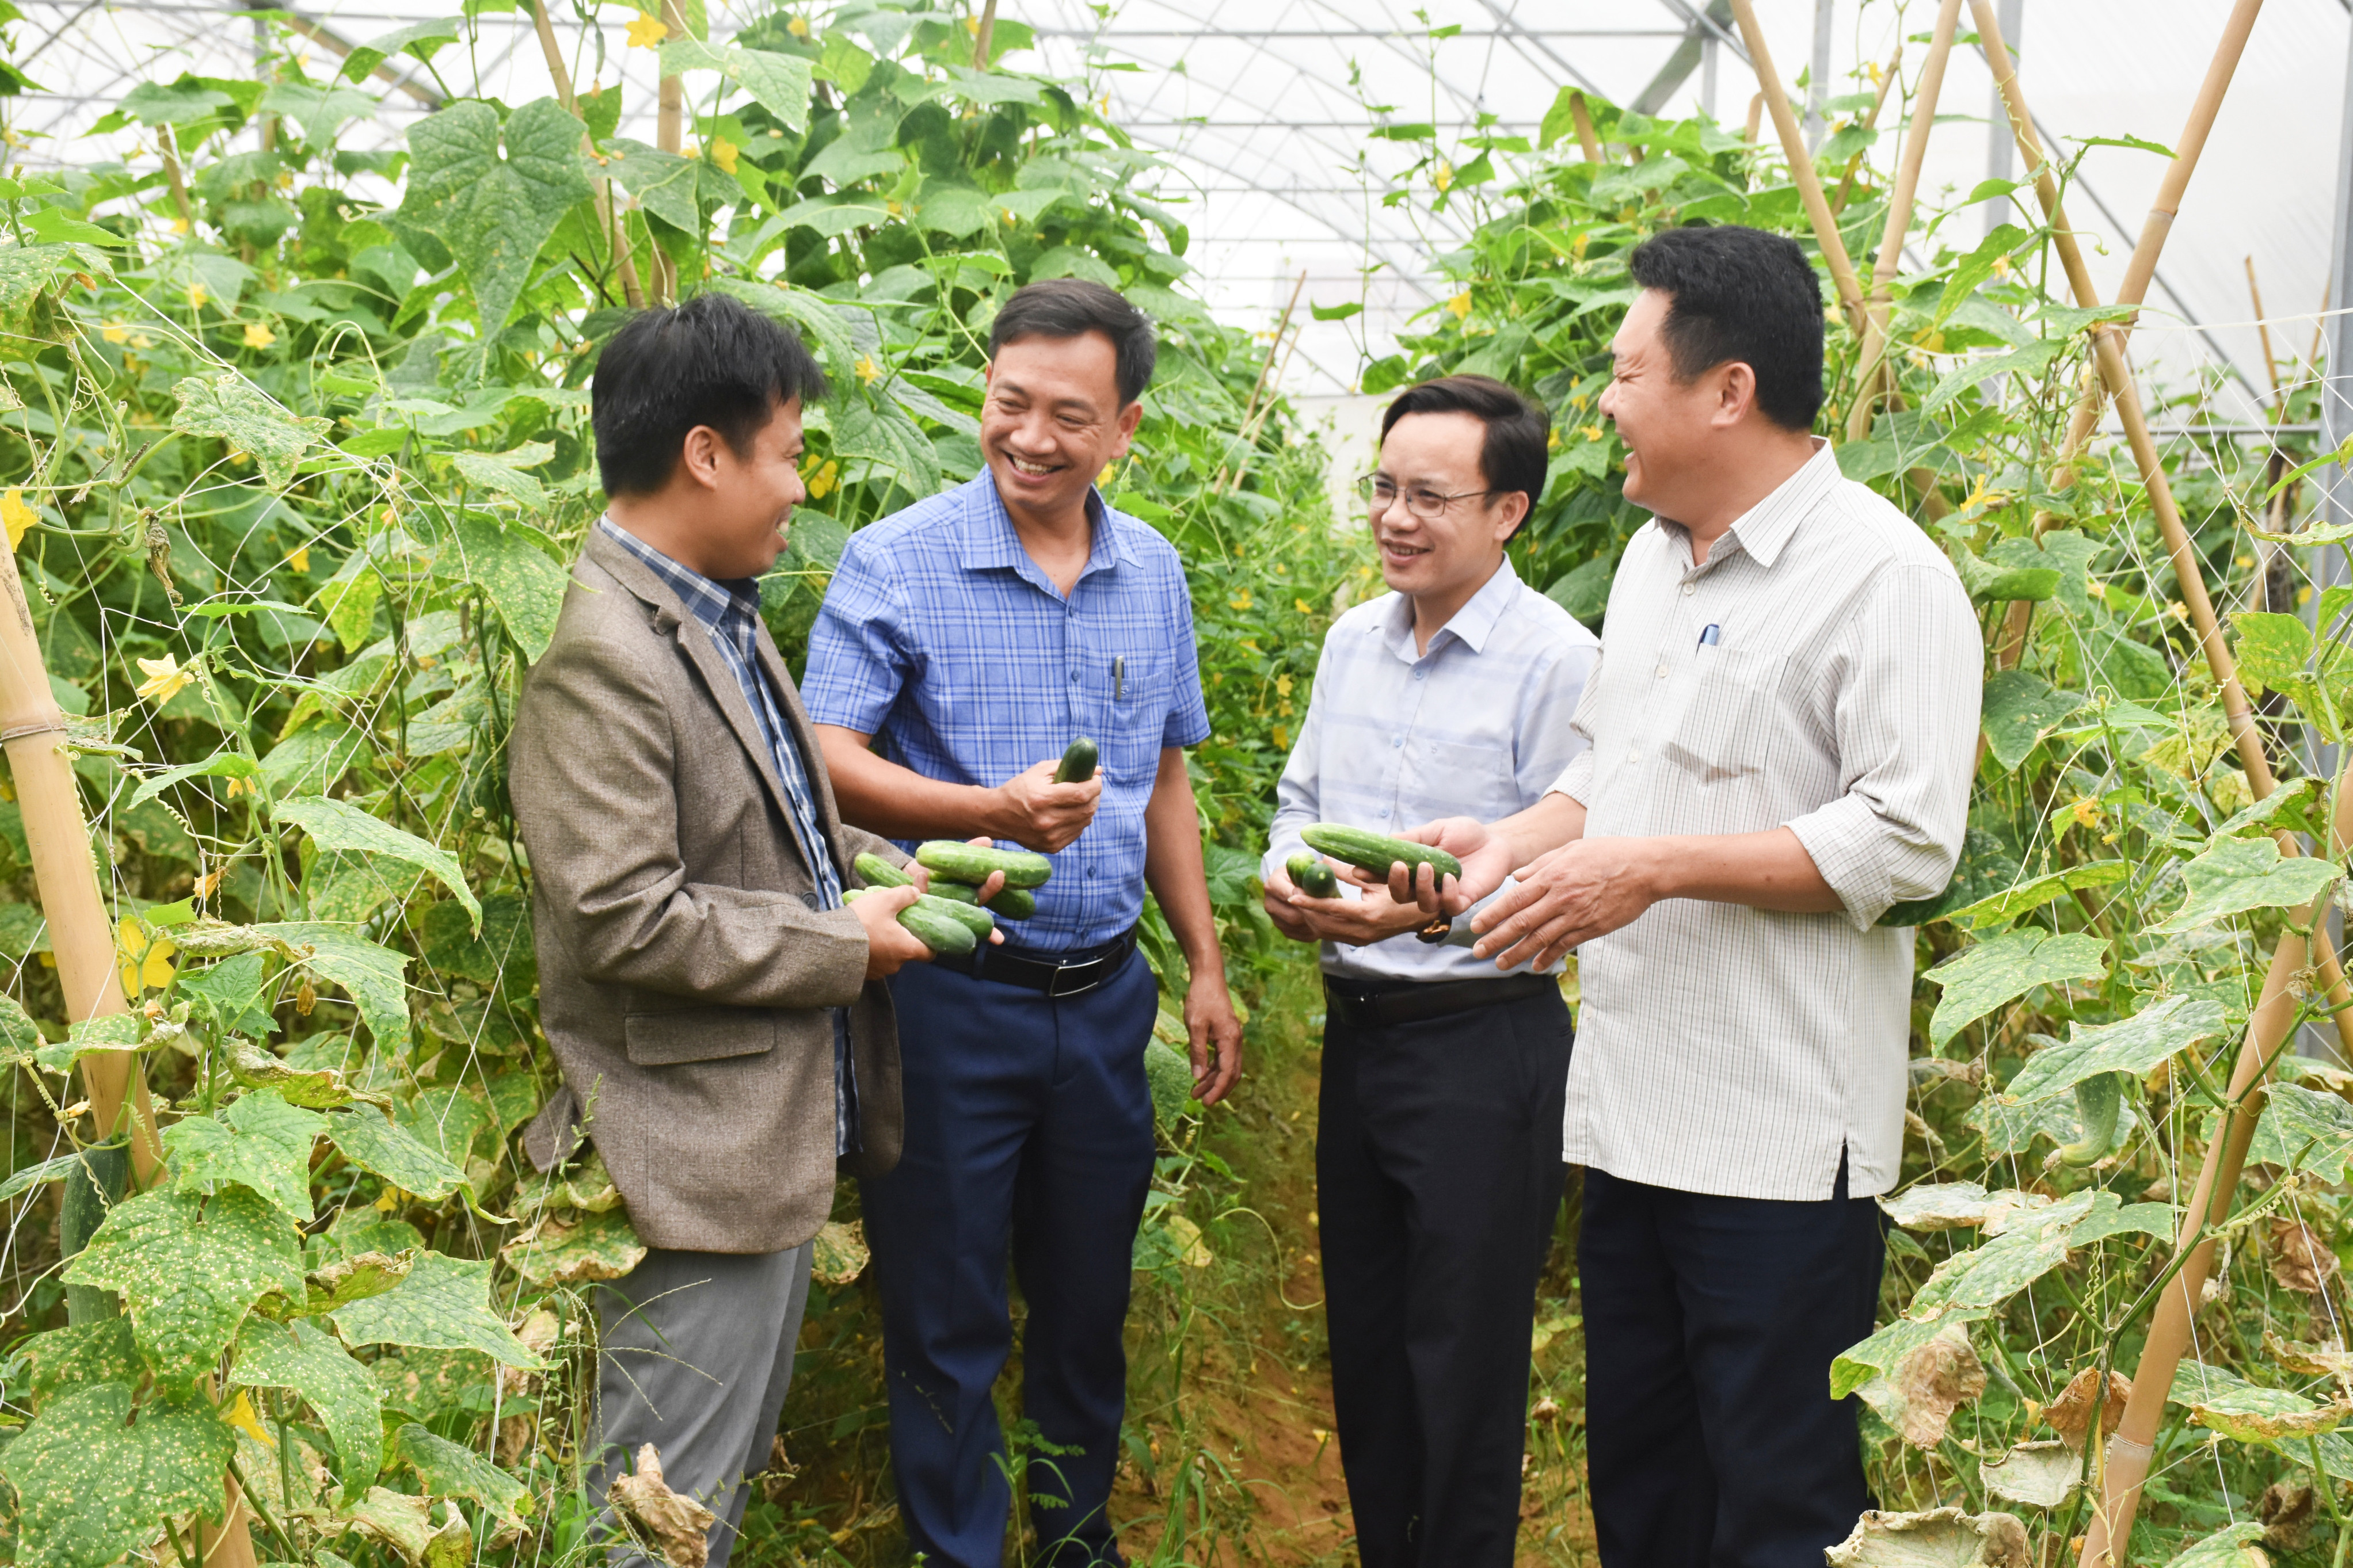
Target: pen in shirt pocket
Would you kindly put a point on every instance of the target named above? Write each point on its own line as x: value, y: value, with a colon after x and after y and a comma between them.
x: 1118, y: 677
x: 1710, y: 634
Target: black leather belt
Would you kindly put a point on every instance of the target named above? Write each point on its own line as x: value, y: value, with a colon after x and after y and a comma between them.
x: 1058, y: 975
x: 1379, y: 1004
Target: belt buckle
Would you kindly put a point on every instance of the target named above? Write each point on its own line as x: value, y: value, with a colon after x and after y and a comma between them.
x: 1054, y: 991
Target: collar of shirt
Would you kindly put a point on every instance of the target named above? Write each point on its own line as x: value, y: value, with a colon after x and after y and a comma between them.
x: 714, y: 602
x: 990, y: 540
x: 1763, y: 531
x: 1470, y: 625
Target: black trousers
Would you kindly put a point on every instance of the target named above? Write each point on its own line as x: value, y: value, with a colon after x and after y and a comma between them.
x: 1710, y: 1326
x: 1438, y: 1175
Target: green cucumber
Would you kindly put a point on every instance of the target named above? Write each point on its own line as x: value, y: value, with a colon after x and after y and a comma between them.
x: 943, y: 934
x: 1313, y: 877
x: 1377, y: 852
x: 1014, y: 903
x: 1077, y: 763
x: 978, y: 920
x: 972, y: 863
x: 880, y: 873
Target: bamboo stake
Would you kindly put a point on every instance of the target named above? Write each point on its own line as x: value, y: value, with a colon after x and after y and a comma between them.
x: 670, y: 134
x: 1801, y: 163
x: 2124, y: 1462
x: 1878, y: 308
x: 1583, y: 119
x: 1266, y: 368
x: 632, y: 290
x: 2264, y: 329
x: 982, y: 35
x: 1756, y: 119
x: 1870, y: 123
x: 2139, y: 270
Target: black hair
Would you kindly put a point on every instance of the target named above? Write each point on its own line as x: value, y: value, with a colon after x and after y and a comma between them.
x: 1741, y: 294
x: 1072, y: 306
x: 1519, y: 429
x: 712, y: 361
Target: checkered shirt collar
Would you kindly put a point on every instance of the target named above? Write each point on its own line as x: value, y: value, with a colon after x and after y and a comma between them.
x: 721, y: 606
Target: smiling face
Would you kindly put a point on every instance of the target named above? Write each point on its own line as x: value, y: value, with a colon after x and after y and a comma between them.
x: 1053, y: 421
x: 1666, y: 424
x: 744, y: 504
x: 1446, y: 559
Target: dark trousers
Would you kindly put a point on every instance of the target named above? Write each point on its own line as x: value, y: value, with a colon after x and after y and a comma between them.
x: 1028, y: 1130
x: 1710, y: 1326
x: 1438, y: 1178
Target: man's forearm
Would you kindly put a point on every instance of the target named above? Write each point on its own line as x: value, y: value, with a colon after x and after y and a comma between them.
x: 1554, y: 821
x: 1172, y: 865
x: 897, y: 801
x: 1763, y: 871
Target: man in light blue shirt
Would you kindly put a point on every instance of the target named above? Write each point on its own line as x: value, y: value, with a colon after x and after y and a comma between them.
x: 1438, y: 1172
x: 964, y: 644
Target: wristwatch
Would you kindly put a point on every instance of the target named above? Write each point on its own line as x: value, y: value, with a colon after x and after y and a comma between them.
x: 1440, y: 927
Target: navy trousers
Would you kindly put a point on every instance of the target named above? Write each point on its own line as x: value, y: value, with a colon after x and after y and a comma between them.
x: 1028, y: 1134
x: 1710, y: 1326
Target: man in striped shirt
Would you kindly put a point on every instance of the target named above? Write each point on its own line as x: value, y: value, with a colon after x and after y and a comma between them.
x: 1783, y: 729
x: 1438, y: 1174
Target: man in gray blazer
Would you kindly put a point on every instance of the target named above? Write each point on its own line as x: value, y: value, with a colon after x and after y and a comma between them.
x: 716, y: 1008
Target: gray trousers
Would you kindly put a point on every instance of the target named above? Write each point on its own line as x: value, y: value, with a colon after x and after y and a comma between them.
x: 697, y: 1355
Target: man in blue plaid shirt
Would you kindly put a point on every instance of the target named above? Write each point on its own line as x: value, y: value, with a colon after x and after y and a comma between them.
x: 964, y: 644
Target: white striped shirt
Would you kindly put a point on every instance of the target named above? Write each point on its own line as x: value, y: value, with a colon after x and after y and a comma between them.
x: 1731, y: 1050
x: 1477, y: 726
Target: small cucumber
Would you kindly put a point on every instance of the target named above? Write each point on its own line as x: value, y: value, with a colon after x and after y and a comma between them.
x: 978, y: 920
x: 1077, y: 763
x: 1014, y: 903
x: 1377, y: 852
x: 972, y: 863
x: 943, y: 934
x: 1313, y: 876
x: 2098, y: 1099
x: 878, y: 872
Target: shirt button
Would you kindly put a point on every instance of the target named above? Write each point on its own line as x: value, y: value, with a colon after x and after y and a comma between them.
x: 1075, y: 678
x: 1384, y: 811
x: 1662, y: 672
x: 1419, y: 673
x: 1632, y: 756
x: 1398, y: 741
x: 1090, y: 870
x: 1689, y: 589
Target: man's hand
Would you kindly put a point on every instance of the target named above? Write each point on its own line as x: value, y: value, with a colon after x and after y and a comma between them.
x: 1586, y: 887
x: 1486, y: 859
x: 1216, y: 1034
x: 1038, y: 814
x: 889, y: 944
x: 1375, y: 917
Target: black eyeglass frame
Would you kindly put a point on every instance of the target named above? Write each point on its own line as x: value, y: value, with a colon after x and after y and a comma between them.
x: 1367, y: 483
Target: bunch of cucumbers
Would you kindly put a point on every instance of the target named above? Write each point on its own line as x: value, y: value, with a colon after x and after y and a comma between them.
x: 951, y: 919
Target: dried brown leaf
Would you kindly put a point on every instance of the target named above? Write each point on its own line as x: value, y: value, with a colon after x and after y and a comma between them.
x: 2288, y: 1514
x: 2300, y: 1260
x: 2072, y: 1411
x: 1940, y: 1538
x: 680, y: 1526
x: 1933, y: 1381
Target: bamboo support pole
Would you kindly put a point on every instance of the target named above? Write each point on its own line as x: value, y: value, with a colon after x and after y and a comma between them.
x: 2125, y: 1463
x: 983, y: 36
x: 1756, y: 119
x: 1583, y: 119
x: 632, y: 290
x: 1801, y: 164
x: 1879, y: 305
x: 2139, y: 271
x: 669, y: 135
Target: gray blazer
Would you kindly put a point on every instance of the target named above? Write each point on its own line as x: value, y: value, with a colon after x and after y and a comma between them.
x: 684, y: 967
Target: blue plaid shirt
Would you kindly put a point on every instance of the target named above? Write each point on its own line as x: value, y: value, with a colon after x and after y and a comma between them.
x: 942, y: 639
x: 730, y: 612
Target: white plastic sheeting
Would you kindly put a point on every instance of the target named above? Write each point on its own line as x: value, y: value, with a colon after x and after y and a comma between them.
x: 1263, y: 107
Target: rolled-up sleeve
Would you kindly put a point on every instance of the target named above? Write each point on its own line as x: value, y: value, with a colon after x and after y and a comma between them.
x: 1906, y: 719
x: 858, y: 658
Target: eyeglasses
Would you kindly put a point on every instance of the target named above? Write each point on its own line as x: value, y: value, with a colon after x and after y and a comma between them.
x: 1381, y: 493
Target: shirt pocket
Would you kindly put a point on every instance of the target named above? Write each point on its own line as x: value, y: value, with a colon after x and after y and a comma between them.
x: 672, y: 1037
x: 1724, y: 734
x: 1129, y: 697
x: 1449, y: 778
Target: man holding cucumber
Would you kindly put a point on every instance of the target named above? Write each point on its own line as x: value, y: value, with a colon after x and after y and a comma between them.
x: 965, y: 644
x: 717, y: 1013
x: 1438, y: 1172
x: 1782, y: 732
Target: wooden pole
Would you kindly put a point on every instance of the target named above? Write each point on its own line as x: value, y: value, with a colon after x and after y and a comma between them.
x: 1801, y: 164
x: 1878, y: 308
x: 1870, y: 122
x: 670, y: 134
x: 983, y: 35
x: 1583, y: 119
x: 632, y: 290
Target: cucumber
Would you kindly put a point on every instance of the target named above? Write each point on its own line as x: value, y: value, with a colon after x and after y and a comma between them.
x: 972, y: 863
x: 1377, y: 852
x: 944, y: 935
x: 1313, y: 876
x: 2098, y: 1099
x: 878, y: 872
x: 1077, y: 763
x: 1014, y: 903
x: 978, y: 920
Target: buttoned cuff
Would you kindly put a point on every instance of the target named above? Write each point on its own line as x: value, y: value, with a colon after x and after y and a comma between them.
x: 1576, y: 780
x: 1848, y: 842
